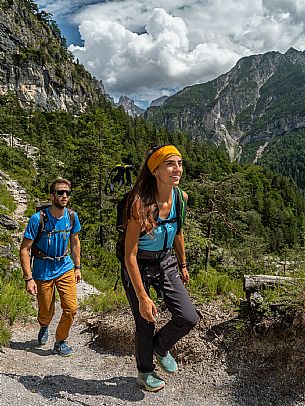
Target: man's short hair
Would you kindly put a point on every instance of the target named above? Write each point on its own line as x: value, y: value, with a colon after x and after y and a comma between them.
x: 58, y: 181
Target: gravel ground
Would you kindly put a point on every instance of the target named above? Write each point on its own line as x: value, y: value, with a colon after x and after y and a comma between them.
x: 253, y: 372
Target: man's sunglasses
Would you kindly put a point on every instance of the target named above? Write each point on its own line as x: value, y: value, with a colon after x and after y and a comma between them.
x: 62, y: 192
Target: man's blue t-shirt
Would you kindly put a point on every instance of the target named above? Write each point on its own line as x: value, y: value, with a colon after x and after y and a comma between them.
x: 52, y: 244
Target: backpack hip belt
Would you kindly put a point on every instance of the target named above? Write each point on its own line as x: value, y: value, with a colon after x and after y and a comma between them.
x: 153, y: 265
x: 155, y: 255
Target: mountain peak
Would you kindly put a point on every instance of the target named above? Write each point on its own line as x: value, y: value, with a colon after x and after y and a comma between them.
x: 292, y: 51
x: 129, y: 106
x: 247, y: 105
x: 295, y: 56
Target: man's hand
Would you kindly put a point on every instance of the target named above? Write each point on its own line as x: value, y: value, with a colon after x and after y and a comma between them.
x: 31, y: 287
x: 148, y: 309
x: 78, y: 275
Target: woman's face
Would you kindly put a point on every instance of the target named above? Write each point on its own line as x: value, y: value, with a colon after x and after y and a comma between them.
x: 170, y: 171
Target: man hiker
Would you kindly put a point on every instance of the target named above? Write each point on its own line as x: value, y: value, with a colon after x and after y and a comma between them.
x: 47, y: 237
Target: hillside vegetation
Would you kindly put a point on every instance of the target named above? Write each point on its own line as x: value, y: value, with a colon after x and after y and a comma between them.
x: 259, y: 100
x: 238, y: 215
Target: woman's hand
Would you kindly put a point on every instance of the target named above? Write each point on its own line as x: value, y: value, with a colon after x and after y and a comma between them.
x: 148, y: 309
x: 185, y: 276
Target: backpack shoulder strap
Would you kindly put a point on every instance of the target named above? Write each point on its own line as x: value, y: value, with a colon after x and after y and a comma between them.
x: 72, y: 217
x: 42, y: 221
x: 180, y: 208
x: 43, y: 218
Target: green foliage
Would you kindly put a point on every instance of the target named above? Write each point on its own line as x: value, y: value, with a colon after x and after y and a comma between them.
x: 234, y: 210
x: 15, y: 303
x: 5, y: 333
x: 208, y: 285
x: 6, y: 200
x: 285, y: 155
x: 15, y: 162
x: 104, y: 278
x: 6, y: 239
x: 189, y: 102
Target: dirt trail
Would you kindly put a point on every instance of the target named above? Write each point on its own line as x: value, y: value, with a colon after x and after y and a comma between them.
x: 31, y: 375
x: 18, y: 193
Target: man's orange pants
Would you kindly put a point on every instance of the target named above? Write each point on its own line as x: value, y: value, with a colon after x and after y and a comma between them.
x: 66, y: 287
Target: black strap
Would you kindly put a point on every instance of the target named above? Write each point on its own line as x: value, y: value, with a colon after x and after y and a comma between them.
x: 174, y: 220
x: 38, y: 253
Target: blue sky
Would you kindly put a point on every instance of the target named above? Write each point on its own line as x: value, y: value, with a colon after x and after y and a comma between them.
x: 147, y: 49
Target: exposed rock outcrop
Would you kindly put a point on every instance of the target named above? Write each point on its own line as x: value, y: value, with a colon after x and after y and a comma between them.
x: 8, y: 222
x: 130, y: 107
x: 36, y: 66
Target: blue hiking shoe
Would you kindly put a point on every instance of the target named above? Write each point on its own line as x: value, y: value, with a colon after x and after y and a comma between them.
x: 62, y: 348
x: 43, y: 335
x: 150, y: 381
x: 167, y: 363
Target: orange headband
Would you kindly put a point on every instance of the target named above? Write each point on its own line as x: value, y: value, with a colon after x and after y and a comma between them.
x: 161, y: 155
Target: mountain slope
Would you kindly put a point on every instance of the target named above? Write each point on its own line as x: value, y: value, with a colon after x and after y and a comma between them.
x: 260, y: 98
x: 35, y: 64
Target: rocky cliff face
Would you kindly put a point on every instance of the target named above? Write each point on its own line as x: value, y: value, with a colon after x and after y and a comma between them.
x: 130, y: 107
x: 35, y: 64
x: 158, y: 102
x: 260, y: 98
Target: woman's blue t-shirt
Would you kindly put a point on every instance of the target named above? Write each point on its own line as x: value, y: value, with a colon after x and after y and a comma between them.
x: 155, y: 241
x: 53, y: 244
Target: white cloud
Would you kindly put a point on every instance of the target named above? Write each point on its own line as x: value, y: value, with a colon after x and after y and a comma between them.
x: 141, y: 48
x: 142, y: 65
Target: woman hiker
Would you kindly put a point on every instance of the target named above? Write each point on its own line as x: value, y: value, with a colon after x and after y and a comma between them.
x: 154, y: 252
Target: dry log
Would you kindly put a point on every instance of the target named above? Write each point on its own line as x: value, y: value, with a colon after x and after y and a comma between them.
x: 253, y: 283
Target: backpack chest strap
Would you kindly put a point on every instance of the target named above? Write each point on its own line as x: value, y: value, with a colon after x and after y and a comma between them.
x: 38, y: 253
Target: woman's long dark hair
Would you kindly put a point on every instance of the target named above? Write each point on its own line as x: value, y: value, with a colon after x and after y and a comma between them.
x: 141, y: 203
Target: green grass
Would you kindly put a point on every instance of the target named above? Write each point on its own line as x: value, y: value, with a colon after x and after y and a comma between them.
x: 212, y: 284
x: 108, y: 299
x: 5, y: 333
x: 15, y: 303
x: 5, y: 238
x: 104, y: 277
x: 6, y: 200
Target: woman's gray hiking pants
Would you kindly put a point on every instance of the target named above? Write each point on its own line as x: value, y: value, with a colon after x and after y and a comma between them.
x: 159, y: 270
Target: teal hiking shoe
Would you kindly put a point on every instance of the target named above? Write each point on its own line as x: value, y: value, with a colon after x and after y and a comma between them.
x: 167, y: 363
x: 43, y: 335
x: 151, y: 381
x: 62, y: 348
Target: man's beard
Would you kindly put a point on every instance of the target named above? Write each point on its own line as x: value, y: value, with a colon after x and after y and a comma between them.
x: 59, y: 205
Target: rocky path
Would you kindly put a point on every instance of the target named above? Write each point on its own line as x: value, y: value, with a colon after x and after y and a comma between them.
x: 31, y: 375
x: 18, y: 193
